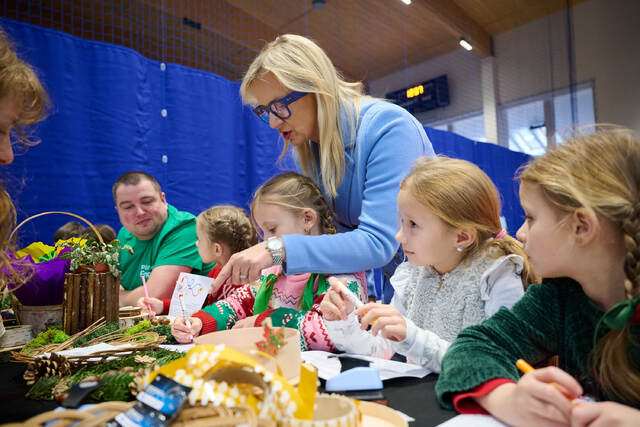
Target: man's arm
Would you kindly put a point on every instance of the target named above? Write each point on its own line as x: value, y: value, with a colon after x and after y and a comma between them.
x: 160, y: 284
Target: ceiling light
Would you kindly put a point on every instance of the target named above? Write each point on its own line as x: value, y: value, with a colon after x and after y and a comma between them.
x: 465, y: 44
x: 406, y: 1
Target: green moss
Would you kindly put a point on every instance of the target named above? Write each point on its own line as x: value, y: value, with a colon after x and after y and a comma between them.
x: 138, y: 327
x: 50, y: 336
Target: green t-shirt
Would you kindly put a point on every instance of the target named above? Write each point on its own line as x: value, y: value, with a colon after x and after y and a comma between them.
x: 173, y: 245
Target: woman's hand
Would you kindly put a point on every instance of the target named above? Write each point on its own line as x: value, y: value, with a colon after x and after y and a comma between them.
x: 384, y: 319
x: 335, y: 305
x: 182, y: 333
x: 541, y: 397
x: 247, y: 322
x: 604, y: 414
x: 244, y: 267
x: 156, y: 305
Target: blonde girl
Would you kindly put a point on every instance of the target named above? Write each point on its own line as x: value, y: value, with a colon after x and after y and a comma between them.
x: 461, y: 268
x: 582, y: 234
x: 222, y: 231
x: 286, y: 204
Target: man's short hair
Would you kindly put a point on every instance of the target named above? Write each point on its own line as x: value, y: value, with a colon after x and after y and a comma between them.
x: 133, y: 178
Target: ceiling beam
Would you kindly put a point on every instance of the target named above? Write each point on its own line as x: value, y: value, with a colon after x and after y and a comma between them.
x: 222, y: 18
x: 461, y: 25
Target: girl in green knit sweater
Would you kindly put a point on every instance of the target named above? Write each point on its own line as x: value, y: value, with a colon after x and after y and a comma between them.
x: 582, y: 229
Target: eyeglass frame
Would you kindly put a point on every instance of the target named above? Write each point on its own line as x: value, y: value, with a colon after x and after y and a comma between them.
x: 290, y: 98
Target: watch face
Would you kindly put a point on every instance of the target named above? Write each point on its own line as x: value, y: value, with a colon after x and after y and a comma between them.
x: 274, y: 243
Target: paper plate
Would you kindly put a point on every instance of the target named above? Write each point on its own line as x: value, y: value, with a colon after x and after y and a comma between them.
x: 244, y: 340
x: 374, y: 414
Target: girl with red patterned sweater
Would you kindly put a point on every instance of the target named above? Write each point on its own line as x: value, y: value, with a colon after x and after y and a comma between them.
x: 222, y: 231
x: 286, y: 204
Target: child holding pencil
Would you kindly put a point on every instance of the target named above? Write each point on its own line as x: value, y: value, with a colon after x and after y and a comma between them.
x: 462, y: 267
x: 582, y: 233
x: 222, y: 231
x: 289, y: 203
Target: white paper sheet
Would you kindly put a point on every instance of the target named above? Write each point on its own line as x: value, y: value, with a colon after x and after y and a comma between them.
x: 473, y: 420
x: 86, y: 351
x: 194, y: 290
x: 179, y: 348
x: 329, y: 365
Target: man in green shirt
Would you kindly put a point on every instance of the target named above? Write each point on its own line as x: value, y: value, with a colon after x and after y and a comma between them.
x: 163, y: 239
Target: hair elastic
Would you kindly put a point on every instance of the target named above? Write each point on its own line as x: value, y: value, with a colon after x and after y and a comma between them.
x: 501, y: 234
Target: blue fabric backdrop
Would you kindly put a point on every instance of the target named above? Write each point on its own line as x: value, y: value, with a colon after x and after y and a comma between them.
x: 208, y: 149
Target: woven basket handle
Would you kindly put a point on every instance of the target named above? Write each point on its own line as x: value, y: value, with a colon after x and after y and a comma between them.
x: 95, y: 230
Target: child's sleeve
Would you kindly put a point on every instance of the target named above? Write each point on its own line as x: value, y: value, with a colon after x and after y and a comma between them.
x: 501, y: 285
x: 347, y: 336
x: 489, y: 350
x: 225, y: 313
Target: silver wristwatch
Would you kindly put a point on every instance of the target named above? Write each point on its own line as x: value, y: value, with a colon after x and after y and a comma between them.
x: 275, y: 246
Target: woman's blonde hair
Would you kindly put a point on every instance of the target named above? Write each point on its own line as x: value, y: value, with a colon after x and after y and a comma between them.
x: 295, y: 192
x: 301, y: 65
x: 229, y: 225
x: 463, y: 196
x: 17, y: 79
x: 601, y: 172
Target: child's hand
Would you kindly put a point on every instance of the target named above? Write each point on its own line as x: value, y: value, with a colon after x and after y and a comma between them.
x: 247, y: 322
x: 335, y: 305
x: 184, y: 334
x: 604, y: 414
x: 541, y: 397
x: 155, y: 303
x: 384, y: 319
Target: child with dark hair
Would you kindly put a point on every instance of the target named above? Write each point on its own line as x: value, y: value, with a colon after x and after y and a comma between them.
x: 69, y: 230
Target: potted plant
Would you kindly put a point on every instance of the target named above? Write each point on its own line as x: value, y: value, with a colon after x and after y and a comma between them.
x: 94, y: 256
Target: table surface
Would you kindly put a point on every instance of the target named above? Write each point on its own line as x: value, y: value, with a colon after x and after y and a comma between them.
x: 413, y: 396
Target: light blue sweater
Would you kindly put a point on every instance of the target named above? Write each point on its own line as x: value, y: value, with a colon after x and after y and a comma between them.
x: 387, y: 141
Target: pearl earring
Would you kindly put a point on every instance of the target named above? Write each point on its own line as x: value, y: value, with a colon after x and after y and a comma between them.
x: 459, y: 249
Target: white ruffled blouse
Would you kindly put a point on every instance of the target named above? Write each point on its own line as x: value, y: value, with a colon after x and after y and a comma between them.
x: 469, y: 294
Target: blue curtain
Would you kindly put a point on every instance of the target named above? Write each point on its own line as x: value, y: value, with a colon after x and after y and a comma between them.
x: 107, y: 119
x: 499, y: 163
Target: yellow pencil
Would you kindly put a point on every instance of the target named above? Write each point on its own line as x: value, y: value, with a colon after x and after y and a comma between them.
x: 526, y: 368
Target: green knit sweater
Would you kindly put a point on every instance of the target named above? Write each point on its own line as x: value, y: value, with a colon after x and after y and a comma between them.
x: 552, y: 318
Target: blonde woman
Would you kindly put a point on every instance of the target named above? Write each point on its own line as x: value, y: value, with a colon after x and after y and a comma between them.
x: 356, y: 148
x: 23, y: 101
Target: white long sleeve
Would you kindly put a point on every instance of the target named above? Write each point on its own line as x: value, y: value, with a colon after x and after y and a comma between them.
x: 347, y: 336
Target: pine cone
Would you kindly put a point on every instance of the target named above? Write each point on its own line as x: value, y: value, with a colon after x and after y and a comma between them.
x: 61, y: 387
x: 138, y: 379
x: 52, y: 366
x: 144, y: 360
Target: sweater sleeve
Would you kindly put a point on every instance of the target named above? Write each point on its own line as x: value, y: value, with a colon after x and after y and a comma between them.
x: 225, y: 313
x: 387, y: 143
x: 489, y: 350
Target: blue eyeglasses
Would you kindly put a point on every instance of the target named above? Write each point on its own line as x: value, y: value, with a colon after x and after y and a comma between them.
x: 279, y: 107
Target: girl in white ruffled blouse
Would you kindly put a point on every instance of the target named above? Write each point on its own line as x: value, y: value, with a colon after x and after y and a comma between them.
x: 462, y: 267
